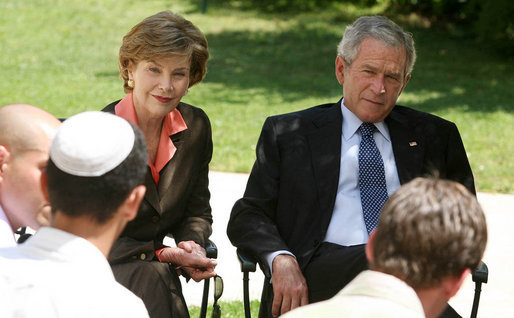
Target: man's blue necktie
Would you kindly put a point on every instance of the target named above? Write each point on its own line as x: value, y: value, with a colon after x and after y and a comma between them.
x: 372, y: 184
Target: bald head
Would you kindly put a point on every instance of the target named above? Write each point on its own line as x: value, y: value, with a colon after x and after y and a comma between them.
x: 25, y: 127
x: 25, y: 136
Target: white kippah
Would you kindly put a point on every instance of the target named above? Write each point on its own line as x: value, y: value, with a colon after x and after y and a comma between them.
x: 91, y: 144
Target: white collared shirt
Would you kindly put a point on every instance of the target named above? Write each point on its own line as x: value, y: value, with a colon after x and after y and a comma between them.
x: 370, y: 294
x: 57, y: 274
x: 347, y: 226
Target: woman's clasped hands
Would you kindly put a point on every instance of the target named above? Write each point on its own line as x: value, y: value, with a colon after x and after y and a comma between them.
x: 190, y: 257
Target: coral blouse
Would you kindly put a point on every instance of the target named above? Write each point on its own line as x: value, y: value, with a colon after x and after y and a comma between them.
x: 171, y: 124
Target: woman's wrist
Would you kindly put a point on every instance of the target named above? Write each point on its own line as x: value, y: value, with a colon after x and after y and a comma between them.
x: 167, y: 254
x: 158, y: 254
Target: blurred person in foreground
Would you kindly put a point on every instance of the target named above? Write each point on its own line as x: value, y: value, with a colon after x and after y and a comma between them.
x: 159, y: 60
x: 25, y: 135
x: 94, y: 183
x: 323, y: 174
x: 431, y: 234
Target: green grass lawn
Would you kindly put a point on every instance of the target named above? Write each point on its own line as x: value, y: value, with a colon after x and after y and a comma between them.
x: 233, y: 309
x: 62, y: 56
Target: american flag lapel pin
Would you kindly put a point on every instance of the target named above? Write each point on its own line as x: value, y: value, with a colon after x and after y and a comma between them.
x: 413, y: 143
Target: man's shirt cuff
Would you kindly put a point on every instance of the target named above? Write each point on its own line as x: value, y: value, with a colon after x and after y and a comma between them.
x: 271, y: 256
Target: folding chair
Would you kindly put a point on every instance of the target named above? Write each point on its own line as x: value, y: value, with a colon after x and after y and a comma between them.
x: 249, y: 264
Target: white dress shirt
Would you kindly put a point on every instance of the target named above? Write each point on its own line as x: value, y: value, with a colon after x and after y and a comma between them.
x: 57, y: 274
x: 6, y: 233
x: 347, y: 226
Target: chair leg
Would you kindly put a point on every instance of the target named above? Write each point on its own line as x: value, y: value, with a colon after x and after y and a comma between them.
x: 212, y: 252
x: 203, y: 308
x: 476, y: 299
x: 480, y: 275
x: 246, y: 294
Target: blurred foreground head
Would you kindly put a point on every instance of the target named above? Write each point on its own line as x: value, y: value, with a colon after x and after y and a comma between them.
x: 25, y: 135
x: 429, y: 230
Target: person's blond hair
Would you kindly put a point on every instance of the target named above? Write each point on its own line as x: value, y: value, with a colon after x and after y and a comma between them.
x: 428, y: 230
x: 163, y: 35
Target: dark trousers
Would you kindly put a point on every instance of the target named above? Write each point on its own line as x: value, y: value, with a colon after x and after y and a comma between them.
x: 330, y: 269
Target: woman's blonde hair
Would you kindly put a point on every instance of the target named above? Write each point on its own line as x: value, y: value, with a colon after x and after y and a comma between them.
x: 163, y: 35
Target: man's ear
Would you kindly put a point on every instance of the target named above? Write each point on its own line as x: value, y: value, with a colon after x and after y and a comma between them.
x: 44, y: 185
x: 340, y: 67
x: 369, y: 247
x: 453, y: 284
x: 133, y: 201
x: 4, y: 158
x: 407, y: 78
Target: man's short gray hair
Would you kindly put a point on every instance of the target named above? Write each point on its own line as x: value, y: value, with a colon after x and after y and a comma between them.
x: 379, y: 28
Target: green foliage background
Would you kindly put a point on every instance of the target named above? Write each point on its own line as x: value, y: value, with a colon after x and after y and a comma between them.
x: 490, y: 22
x: 61, y: 55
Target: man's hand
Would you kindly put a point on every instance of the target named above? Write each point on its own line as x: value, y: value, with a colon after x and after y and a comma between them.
x: 289, y: 285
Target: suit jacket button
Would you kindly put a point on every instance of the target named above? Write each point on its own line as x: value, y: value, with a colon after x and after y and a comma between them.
x: 142, y: 256
x: 155, y: 219
x: 316, y: 242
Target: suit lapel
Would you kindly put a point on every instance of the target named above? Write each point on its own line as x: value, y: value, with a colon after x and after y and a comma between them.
x: 168, y: 172
x: 152, y: 196
x: 408, y: 146
x: 325, y: 145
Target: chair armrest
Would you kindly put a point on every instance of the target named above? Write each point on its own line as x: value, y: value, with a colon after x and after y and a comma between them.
x: 481, y: 273
x: 248, y: 262
x: 211, y: 249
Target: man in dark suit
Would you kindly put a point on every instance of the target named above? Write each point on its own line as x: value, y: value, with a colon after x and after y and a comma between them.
x: 322, y: 174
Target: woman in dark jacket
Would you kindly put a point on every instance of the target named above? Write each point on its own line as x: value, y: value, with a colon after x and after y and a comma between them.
x: 159, y: 60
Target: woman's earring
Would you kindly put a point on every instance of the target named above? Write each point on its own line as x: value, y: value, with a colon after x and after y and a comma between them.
x: 130, y: 83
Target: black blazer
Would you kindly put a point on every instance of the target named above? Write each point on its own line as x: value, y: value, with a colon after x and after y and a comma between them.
x: 179, y: 204
x: 291, y: 191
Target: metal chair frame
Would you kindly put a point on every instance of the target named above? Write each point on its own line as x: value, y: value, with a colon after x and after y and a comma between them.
x: 211, y: 252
